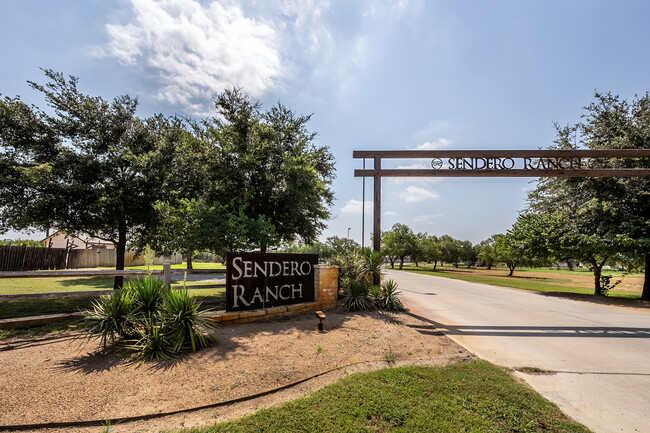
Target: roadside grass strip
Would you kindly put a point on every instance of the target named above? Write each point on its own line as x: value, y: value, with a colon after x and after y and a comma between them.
x: 462, y: 397
x: 551, y: 285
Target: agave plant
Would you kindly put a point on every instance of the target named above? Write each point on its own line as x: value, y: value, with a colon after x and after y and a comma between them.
x: 389, y: 298
x: 357, y: 297
x: 371, y: 263
x: 189, y: 328
x: 151, y: 342
x: 147, y: 293
x: 111, y: 316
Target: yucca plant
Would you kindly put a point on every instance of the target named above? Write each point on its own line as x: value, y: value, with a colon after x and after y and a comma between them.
x: 389, y: 299
x: 151, y: 342
x: 147, y: 293
x: 111, y: 316
x: 357, y: 297
x: 371, y: 263
x: 189, y: 328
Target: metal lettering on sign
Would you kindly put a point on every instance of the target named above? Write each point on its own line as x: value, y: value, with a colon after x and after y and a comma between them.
x: 263, y: 280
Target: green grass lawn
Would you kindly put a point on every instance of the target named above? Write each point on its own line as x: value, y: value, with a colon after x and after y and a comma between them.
x: 16, y: 286
x: 551, y: 283
x: 462, y: 397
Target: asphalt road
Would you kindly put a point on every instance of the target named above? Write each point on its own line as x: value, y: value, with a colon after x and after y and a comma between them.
x: 600, y: 355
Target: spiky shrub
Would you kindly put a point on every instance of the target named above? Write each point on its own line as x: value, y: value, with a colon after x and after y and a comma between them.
x: 153, y: 322
x: 356, y: 297
x: 151, y: 342
x: 375, y: 295
x: 371, y: 263
x: 111, y: 316
x: 147, y: 293
x: 389, y: 298
x: 189, y: 328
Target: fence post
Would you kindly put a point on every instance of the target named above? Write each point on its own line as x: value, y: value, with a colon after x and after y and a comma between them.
x: 167, y: 271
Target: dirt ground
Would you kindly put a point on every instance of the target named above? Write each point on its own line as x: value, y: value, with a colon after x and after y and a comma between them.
x: 64, y: 378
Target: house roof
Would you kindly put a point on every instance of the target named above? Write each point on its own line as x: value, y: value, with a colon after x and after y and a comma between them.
x: 85, y: 238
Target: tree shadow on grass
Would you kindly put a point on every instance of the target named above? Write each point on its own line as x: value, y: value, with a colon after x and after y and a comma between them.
x: 602, y: 300
x: 89, y: 283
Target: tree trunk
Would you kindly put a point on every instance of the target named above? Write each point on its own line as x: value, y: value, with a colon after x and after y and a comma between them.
x: 489, y: 267
x: 598, y: 290
x: 435, y: 263
x: 512, y: 269
x: 120, y: 252
x: 401, y: 262
x: 416, y: 264
x: 392, y: 262
x: 646, y: 282
x: 189, y: 258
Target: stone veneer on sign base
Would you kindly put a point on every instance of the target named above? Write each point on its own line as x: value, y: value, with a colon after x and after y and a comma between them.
x: 327, y: 285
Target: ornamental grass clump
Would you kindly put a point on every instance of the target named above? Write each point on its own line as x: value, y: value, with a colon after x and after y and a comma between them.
x: 150, y: 321
x: 356, y: 297
x: 388, y: 298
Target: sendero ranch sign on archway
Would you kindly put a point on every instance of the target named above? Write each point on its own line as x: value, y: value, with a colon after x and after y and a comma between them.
x: 264, y: 280
x: 500, y: 163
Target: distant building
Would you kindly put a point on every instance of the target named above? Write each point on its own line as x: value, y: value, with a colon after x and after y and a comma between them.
x: 60, y: 239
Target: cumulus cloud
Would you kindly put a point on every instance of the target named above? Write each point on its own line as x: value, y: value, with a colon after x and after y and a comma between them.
x: 355, y: 206
x: 440, y: 143
x: 417, y: 194
x: 427, y: 219
x: 196, y: 50
x: 389, y: 213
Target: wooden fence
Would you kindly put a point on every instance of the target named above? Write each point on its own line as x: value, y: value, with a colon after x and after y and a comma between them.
x: 24, y: 258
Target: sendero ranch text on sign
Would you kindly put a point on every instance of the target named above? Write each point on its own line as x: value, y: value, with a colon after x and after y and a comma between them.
x: 262, y: 280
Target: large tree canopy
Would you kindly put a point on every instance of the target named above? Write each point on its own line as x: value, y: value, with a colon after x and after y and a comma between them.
x: 78, y: 169
x: 601, y: 216
x: 246, y: 179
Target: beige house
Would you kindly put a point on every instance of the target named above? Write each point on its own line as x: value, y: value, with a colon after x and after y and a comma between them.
x: 60, y: 239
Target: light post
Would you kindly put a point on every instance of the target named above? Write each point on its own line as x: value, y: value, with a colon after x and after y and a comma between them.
x: 349, y: 232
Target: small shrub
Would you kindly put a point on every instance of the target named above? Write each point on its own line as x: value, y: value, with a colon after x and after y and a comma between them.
x: 606, y: 284
x: 189, y: 328
x: 152, y: 342
x: 371, y: 263
x: 349, y: 264
x: 147, y: 293
x: 389, y: 298
x: 357, y: 297
x: 111, y: 316
x: 153, y: 322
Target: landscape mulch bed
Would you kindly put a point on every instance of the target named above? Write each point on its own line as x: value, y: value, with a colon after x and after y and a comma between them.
x: 66, y: 377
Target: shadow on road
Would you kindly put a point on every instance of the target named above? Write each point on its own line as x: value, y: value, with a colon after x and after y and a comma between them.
x: 531, y: 331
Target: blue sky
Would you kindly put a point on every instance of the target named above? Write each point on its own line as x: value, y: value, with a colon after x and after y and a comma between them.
x: 399, y: 74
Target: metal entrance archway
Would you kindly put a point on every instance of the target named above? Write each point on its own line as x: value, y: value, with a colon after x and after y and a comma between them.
x: 494, y: 163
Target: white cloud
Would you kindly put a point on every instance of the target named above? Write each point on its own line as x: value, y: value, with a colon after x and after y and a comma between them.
x: 440, y: 143
x: 389, y: 213
x: 417, y: 194
x: 196, y: 50
x: 427, y: 219
x: 354, y: 206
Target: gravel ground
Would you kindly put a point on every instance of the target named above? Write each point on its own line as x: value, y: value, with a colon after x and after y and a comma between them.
x: 65, y: 378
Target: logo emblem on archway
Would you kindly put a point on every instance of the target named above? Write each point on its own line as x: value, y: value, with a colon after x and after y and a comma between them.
x: 436, y: 163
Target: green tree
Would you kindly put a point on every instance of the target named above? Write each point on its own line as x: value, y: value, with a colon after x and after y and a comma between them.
x: 431, y: 250
x: 79, y: 169
x: 487, y: 254
x: 469, y: 253
x: 604, y: 216
x: 508, y: 251
x: 399, y: 242
x: 451, y: 250
x: 268, y: 165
